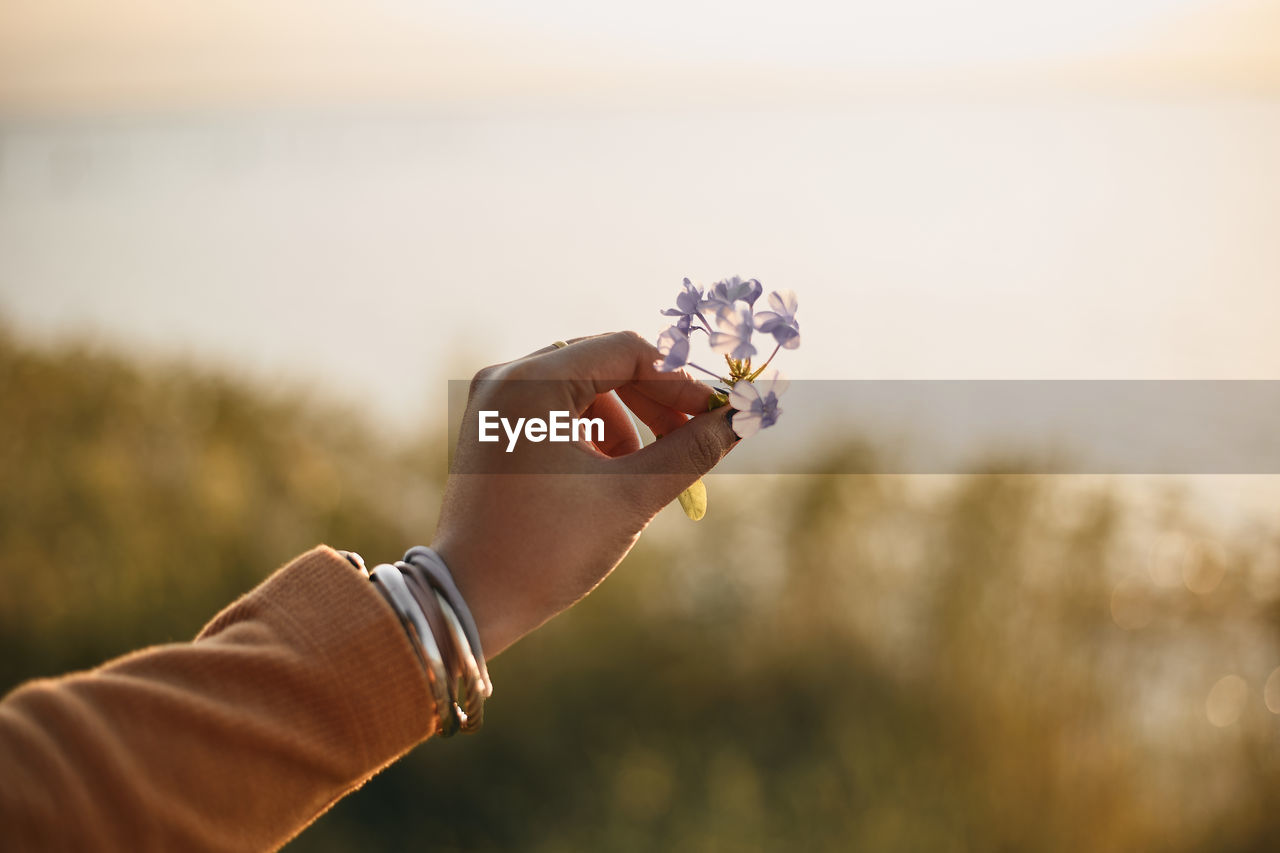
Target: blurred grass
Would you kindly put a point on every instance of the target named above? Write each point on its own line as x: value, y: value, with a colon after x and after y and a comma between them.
x: 824, y: 663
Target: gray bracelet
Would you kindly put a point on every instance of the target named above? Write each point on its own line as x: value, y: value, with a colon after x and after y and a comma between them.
x: 355, y: 560
x: 415, y: 624
x: 437, y: 573
x: 471, y: 693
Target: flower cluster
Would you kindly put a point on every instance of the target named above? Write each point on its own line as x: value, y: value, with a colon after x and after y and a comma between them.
x: 732, y: 304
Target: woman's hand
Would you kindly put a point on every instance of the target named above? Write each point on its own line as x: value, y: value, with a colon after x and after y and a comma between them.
x: 530, y: 531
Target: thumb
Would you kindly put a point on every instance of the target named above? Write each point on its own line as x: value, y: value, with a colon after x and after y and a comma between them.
x: 673, y: 463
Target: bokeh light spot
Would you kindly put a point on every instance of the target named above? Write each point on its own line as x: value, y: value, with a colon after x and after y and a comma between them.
x: 1226, y: 700
x: 1205, y: 567
x: 1271, y: 691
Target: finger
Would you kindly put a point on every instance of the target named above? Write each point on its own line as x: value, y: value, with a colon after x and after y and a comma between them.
x: 605, y: 362
x: 552, y: 347
x: 676, y: 461
x: 657, y: 417
x: 620, y: 435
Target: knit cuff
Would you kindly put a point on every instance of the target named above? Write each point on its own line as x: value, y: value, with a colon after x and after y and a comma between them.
x: 333, y: 611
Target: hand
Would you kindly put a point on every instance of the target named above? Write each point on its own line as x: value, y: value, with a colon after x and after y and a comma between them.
x: 529, y: 532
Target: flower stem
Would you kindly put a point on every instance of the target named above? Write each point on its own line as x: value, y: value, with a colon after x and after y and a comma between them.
x: 752, y: 377
x: 704, y: 370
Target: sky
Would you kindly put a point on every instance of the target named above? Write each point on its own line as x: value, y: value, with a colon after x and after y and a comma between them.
x: 140, y: 55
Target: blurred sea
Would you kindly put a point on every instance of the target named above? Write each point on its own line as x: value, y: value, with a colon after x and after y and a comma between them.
x: 370, y: 255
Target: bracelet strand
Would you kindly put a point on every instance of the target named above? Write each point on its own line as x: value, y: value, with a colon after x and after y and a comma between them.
x: 459, y: 662
x: 437, y: 574
x: 414, y: 621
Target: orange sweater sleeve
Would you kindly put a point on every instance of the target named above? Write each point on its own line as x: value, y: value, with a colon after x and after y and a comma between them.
x: 290, y: 698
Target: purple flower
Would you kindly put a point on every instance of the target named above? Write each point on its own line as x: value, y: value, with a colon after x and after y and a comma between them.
x: 757, y: 403
x: 781, y: 321
x: 734, y: 337
x: 687, y: 307
x: 724, y: 293
x: 673, y: 344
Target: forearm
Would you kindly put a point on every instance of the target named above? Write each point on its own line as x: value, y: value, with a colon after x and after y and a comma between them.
x: 288, y: 699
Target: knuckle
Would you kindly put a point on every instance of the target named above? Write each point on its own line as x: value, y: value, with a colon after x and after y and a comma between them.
x: 519, y: 371
x: 513, y: 383
x: 581, y: 389
x: 500, y: 381
x: 482, y: 377
x: 630, y: 338
x: 705, y: 449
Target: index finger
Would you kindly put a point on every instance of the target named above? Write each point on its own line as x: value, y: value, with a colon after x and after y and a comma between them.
x: 597, y: 365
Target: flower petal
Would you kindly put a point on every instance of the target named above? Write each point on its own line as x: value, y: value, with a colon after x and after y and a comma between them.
x: 675, y: 360
x: 669, y: 337
x: 711, y: 305
x: 746, y: 424
x: 744, y: 396
x: 735, y: 318
x: 784, y: 302
x: 766, y: 321
x: 771, y: 382
x: 770, y: 415
x: 722, y: 343
x: 673, y: 344
x: 787, y: 336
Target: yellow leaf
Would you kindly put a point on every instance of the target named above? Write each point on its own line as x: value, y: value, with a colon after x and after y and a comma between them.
x: 693, y: 501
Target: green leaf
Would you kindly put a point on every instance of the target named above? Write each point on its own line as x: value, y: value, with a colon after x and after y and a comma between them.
x: 693, y: 501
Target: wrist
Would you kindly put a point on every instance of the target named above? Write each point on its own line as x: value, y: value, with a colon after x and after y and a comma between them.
x: 494, y: 607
